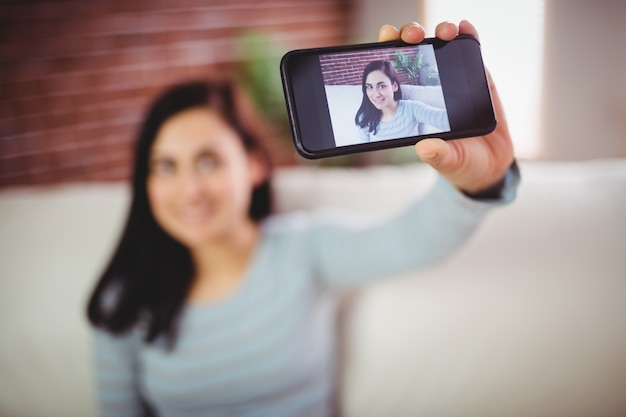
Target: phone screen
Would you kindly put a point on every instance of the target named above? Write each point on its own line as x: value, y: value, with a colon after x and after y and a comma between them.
x: 373, y: 96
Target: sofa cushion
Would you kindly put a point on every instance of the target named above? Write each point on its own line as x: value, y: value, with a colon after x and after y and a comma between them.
x: 527, y: 319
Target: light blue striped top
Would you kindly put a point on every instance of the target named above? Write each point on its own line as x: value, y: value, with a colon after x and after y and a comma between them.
x: 409, y: 116
x: 268, y: 350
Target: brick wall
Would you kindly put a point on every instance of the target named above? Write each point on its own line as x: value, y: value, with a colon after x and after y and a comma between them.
x: 347, y: 69
x: 77, y: 75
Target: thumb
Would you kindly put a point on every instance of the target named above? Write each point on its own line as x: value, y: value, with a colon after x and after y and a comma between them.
x: 437, y: 153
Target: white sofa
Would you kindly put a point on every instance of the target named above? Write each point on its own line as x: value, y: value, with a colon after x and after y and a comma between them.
x: 528, y: 319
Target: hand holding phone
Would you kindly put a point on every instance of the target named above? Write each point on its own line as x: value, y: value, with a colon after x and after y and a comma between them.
x: 472, y: 164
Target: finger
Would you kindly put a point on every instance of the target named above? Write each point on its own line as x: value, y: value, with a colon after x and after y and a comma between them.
x: 412, y: 32
x: 466, y: 28
x: 435, y: 152
x: 446, y: 31
x: 388, y: 33
x: 497, y: 103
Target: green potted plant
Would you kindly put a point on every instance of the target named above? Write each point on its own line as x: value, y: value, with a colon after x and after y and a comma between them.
x: 409, y: 65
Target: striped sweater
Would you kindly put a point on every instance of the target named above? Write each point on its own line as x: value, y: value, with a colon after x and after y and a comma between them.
x: 268, y: 350
x: 409, y: 116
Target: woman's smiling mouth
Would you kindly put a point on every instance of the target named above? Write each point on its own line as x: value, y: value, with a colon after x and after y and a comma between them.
x: 196, y: 214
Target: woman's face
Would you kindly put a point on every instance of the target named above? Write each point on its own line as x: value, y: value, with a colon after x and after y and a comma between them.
x: 380, y: 89
x: 201, y: 178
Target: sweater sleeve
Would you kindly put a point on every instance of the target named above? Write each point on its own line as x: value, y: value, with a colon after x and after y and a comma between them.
x: 116, y: 375
x: 428, y: 231
x: 423, y: 113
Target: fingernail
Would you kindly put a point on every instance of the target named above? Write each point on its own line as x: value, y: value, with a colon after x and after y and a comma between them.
x: 411, y: 31
x: 442, y: 25
x: 428, y: 156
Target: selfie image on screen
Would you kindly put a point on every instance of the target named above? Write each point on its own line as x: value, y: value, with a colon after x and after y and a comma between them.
x: 383, y: 94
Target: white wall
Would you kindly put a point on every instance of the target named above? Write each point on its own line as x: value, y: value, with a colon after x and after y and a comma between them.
x: 372, y: 14
x: 584, y: 105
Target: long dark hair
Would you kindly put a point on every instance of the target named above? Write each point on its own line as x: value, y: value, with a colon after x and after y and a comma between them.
x: 368, y: 115
x: 150, y: 273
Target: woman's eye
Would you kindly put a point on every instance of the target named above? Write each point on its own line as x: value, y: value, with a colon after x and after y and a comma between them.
x: 164, y: 168
x: 206, y: 163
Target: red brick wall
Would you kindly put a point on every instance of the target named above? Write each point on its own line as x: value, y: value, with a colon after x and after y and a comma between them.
x: 77, y: 75
x: 347, y: 69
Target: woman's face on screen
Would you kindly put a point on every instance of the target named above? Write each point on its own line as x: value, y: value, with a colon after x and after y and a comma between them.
x: 380, y: 89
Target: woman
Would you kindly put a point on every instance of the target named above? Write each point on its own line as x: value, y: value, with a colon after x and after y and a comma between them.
x: 209, y: 306
x: 384, y: 115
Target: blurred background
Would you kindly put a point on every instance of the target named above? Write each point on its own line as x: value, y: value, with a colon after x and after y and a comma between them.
x: 76, y: 76
x: 526, y: 320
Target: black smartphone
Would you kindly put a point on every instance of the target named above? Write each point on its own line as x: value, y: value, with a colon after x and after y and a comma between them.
x: 356, y: 98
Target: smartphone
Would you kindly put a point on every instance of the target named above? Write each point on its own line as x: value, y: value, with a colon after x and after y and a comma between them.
x: 355, y: 98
